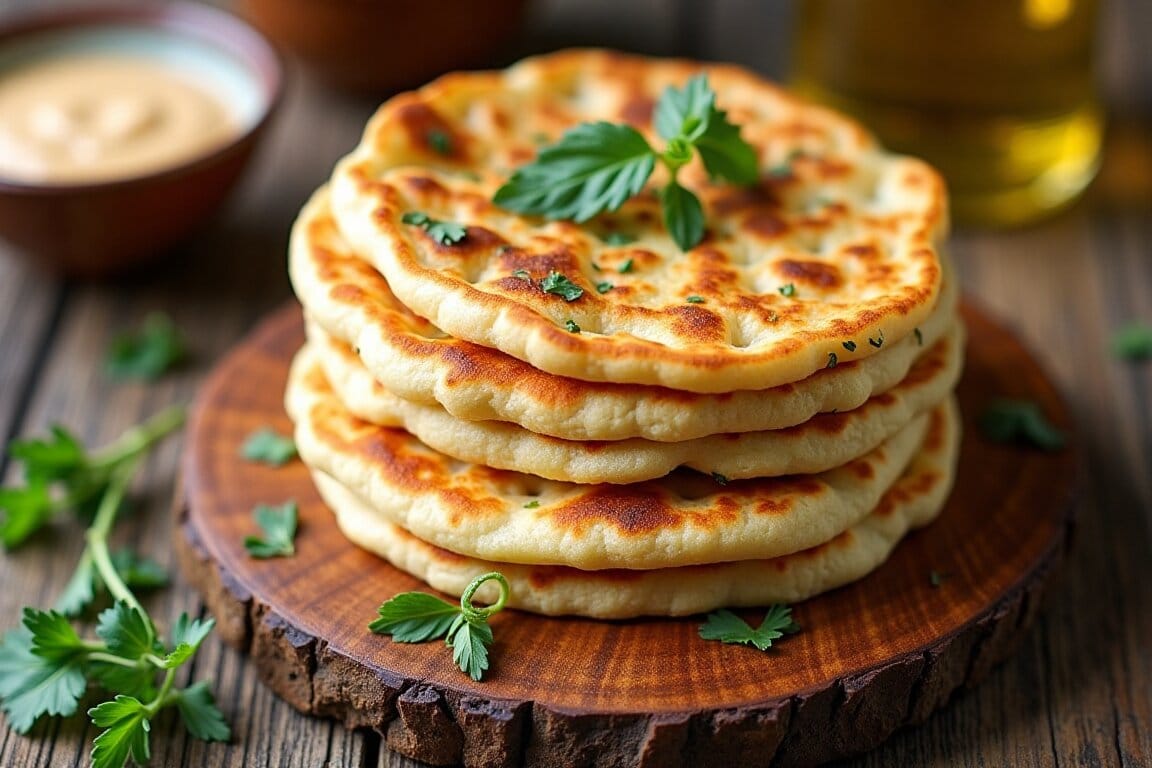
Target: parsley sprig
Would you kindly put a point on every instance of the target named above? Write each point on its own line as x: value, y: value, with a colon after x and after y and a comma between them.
x: 61, y: 475
x: 46, y: 666
x: 443, y: 232
x: 727, y: 627
x: 416, y: 617
x: 596, y: 167
x: 278, y: 525
x: 269, y: 447
x: 154, y: 349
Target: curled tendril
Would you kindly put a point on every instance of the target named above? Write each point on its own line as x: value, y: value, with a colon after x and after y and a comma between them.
x: 470, y: 611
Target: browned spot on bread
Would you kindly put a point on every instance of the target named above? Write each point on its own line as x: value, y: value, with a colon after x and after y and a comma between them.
x: 735, y: 199
x: 695, y: 322
x: 632, y: 510
x: 774, y: 506
x: 425, y: 187
x: 765, y: 224
x: 421, y: 122
x: 539, y: 264
x: 862, y: 468
x: 637, y: 111
x: 809, y: 272
x: 862, y: 251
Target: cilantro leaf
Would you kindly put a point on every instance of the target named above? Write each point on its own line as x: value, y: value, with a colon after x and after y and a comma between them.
x: 1133, y: 342
x: 268, y: 446
x: 443, y: 232
x: 595, y: 167
x: 727, y: 627
x: 32, y: 685
x: 683, y: 215
x: 725, y: 155
x: 560, y: 285
x: 126, y: 631
x: 23, y: 511
x: 1020, y: 421
x: 200, y: 714
x: 279, y: 527
x: 415, y: 617
x: 470, y: 641
x: 127, y: 725
x: 146, y: 354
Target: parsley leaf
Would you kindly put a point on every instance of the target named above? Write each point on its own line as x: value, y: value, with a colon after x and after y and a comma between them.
x: 186, y: 637
x: 200, y: 714
x: 125, y: 630
x: 727, y: 627
x: 146, y: 354
x: 561, y: 286
x: 1133, y: 342
x: 416, y: 617
x: 594, y: 167
x: 443, y: 232
x: 270, y: 447
x: 127, y: 725
x: 1020, y: 421
x: 23, y: 511
x: 32, y: 684
x: 279, y: 527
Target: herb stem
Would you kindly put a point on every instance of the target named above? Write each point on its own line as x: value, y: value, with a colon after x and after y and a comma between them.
x: 161, y: 699
x: 141, y: 437
x: 109, y: 658
x: 471, y: 612
x: 97, y: 536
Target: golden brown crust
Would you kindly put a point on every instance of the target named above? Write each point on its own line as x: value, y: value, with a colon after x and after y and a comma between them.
x: 852, y: 228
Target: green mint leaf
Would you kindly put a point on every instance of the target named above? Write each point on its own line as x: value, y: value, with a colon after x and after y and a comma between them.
x: 127, y: 633
x: 470, y: 641
x: 443, y: 232
x: 415, y: 617
x: 595, y: 167
x: 619, y: 238
x: 146, y: 354
x: 200, y: 715
x: 23, y: 511
x: 1133, y: 342
x: 32, y: 685
x: 725, y: 154
x: 683, y: 215
x: 684, y: 112
x: 279, y: 527
x: 1020, y: 421
x: 127, y: 727
x: 270, y: 447
x: 727, y: 627
x: 560, y: 285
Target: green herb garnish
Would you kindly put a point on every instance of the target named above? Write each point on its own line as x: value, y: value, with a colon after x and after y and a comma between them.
x: 727, y: 627
x: 440, y: 141
x: 694, y: 299
x: 532, y: 504
x: 523, y: 274
x: 1133, y: 342
x: 46, y: 667
x: 919, y: 336
x: 571, y: 326
x: 788, y: 291
x: 147, y: 353
x: 278, y: 525
x: 877, y: 342
x: 443, y: 232
x: 850, y: 346
x: 416, y: 617
x: 596, y: 167
x: 719, y: 478
x: 604, y: 287
x: 832, y: 360
x: 626, y: 267
x: 270, y: 447
x: 561, y: 286
x: 936, y: 578
x: 1020, y: 421
x: 619, y: 238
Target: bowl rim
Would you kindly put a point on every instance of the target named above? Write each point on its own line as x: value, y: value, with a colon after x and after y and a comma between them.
x: 207, y: 24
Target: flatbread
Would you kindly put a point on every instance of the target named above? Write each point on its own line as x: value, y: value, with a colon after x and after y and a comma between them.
x: 684, y: 518
x: 417, y: 361
x: 915, y: 500
x: 821, y: 443
x: 851, y: 227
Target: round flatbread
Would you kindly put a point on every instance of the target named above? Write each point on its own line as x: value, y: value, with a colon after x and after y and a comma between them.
x: 821, y: 443
x: 417, y: 361
x: 684, y: 518
x: 914, y: 500
x: 836, y: 244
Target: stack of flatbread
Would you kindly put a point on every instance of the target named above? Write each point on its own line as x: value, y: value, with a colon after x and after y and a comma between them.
x: 756, y: 420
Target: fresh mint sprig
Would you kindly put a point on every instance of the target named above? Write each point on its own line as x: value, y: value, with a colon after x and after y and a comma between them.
x: 46, y: 667
x: 416, y: 617
x: 596, y: 167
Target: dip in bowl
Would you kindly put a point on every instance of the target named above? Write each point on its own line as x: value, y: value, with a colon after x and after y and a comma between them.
x: 123, y: 127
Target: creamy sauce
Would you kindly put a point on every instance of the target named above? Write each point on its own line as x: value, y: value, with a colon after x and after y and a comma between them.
x: 97, y: 117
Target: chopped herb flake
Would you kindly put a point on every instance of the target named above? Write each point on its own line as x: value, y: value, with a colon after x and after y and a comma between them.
x: 936, y: 578
x: 850, y: 346
x: 831, y: 360
x: 877, y: 342
x: 788, y: 290
x: 440, y: 141
x: 532, y: 504
x: 694, y: 299
x: 719, y: 478
x: 919, y: 336
x: 604, y: 287
x: 561, y: 286
x: 443, y: 232
x: 1133, y: 342
x: 571, y: 326
x: 619, y: 238
x: 523, y: 274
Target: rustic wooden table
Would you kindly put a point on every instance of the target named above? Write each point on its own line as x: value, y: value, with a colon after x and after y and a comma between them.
x: 1079, y: 691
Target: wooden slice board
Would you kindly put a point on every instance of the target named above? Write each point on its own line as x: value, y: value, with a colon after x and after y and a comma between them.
x: 872, y: 657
